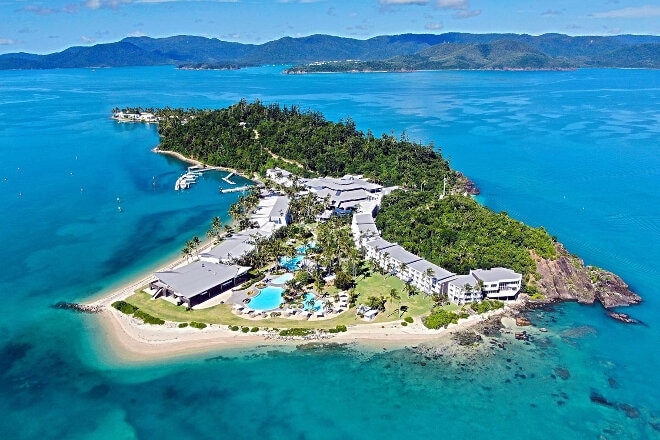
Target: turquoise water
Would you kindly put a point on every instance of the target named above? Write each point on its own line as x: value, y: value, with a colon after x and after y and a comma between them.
x: 576, y: 152
x: 291, y: 263
x: 268, y: 298
x: 282, y: 279
x: 316, y: 306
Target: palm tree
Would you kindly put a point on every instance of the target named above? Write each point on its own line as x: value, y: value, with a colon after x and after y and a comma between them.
x: 394, y: 295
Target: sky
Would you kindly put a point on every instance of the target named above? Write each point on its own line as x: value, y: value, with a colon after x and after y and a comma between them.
x: 46, y: 26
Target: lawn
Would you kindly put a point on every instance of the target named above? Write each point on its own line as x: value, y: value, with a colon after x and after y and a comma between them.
x: 373, y: 285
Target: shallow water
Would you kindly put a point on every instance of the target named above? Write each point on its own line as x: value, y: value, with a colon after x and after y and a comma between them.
x: 574, y: 151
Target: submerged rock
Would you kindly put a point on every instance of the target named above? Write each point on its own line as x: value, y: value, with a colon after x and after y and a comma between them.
x: 622, y: 317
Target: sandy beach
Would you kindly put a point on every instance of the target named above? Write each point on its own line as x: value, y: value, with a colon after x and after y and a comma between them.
x: 132, y: 341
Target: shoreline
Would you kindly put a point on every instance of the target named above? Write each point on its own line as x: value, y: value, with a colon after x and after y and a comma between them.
x: 189, y: 160
x: 127, y: 340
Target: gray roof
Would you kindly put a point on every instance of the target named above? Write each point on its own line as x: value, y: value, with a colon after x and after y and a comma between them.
x: 438, y: 272
x: 495, y: 274
x: 363, y: 219
x: 231, y: 249
x: 281, y: 206
x: 462, y: 280
x: 401, y: 255
x: 380, y: 244
x: 198, y: 277
x: 366, y: 229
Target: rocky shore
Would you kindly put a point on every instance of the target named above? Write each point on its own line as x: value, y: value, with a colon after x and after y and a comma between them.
x: 566, y: 278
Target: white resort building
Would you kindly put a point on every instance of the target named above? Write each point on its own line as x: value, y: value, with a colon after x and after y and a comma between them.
x: 497, y: 283
x: 215, y: 271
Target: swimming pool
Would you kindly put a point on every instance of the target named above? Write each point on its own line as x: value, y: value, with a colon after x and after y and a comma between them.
x: 282, y: 279
x: 317, y: 304
x: 292, y: 263
x: 305, y: 248
x: 268, y: 298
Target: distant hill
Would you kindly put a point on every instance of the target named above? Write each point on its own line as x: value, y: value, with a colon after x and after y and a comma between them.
x: 387, y: 52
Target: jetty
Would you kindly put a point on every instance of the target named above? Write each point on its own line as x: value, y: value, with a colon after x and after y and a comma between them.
x: 227, y: 177
x: 237, y: 189
x: 190, y: 177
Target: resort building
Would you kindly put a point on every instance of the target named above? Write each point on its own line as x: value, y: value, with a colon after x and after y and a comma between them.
x: 272, y: 209
x: 196, y: 282
x: 364, y: 228
x: 497, y: 283
x: 280, y: 176
x: 228, y: 251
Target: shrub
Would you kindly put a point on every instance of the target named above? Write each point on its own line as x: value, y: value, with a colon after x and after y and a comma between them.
x: 343, y: 281
x: 245, y: 329
x: 486, y: 305
x: 257, y: 277
x: 341, y: 328
x: 333, y: 330
x: 234, y: 328
x: 296, y: 332
x: 408, y: 319
x: 404, y: 323
x: 199, y: 325
x: 440, y: 318
x: 254, y: 329
x: 147, y: 318
x: 183, y: 324
x: 124, y: 307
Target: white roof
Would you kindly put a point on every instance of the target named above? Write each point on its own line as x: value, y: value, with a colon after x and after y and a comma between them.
x: 495, y: 274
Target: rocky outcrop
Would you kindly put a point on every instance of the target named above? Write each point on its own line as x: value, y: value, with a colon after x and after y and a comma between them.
x: 566, y: 278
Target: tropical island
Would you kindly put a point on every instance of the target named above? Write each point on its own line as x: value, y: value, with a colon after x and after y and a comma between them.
x: 345, y: 234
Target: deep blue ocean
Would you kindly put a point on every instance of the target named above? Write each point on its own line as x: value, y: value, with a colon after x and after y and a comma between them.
x: 577, y: 152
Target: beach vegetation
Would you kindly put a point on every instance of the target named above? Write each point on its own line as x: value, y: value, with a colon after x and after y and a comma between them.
x: 147, y: 318
x: 486, y: 305
x: 245, y: 329
x: 297, y: 331
x: 404, y: 323
x: 234, y: 328
x: 408, y: 319
x: 199, y: 325
x: 254, y: 329
x: 183, y: 324
x: 124, y: 307
x: 440, y: 319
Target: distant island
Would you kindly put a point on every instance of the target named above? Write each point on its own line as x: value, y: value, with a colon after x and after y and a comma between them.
x: 325, y: 53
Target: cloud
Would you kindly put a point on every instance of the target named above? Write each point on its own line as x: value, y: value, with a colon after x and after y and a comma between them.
x: 38, y: 10
x: 402, y: 2
x: 85, y: 39
x: 7, y: 42
x: 452, y: 4
x: 136, y: 34
x: 640, y: 12
x: 433, y: 26
x: 467, y: 14
x: 550, y: 12
x: 98, y: 4
x: 462, y: 8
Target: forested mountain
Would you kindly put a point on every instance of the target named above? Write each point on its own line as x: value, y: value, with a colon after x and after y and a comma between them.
x: 408, y: 51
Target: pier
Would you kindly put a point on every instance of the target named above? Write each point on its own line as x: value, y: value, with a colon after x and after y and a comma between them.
x: 190, y: 177
x: 226, y: 178
x: 238, y: 189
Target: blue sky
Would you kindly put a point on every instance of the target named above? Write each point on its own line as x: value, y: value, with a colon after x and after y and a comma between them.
x: 44, y: 26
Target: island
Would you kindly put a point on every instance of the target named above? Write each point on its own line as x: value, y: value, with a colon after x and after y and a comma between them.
x: 345, y: 235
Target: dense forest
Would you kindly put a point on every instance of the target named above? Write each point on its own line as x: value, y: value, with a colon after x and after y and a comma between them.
x: 458, y: 234
x: 454, y: 231
x: 249, y: 136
